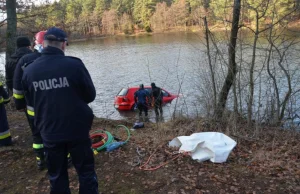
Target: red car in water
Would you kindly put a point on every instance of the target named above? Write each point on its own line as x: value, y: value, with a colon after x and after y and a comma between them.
x: 125, y: 98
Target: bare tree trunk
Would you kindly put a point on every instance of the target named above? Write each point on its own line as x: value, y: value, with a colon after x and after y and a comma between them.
x: 280, y: 106
x: 288, y: 77
x: 256, y: 33
x: 232, y: 68
x: 251, y: 81
x: 274, y: 80
x: 11, y: 27
x: 251, y: 74
x: 212, y: 73
x: 237, y: 84
x: 287, y: 95
x: 273, y: 76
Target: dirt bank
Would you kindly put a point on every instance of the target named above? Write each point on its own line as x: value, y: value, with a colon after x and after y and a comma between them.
x: 267, y: 161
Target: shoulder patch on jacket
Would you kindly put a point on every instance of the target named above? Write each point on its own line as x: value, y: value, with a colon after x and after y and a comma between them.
x: 26, y: 65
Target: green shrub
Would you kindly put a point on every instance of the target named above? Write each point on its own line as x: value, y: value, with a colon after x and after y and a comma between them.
x: 148, y: 29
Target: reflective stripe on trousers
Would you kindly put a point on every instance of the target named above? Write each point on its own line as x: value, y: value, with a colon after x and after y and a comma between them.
x: 5, y: 134
x: 30, y: 111
x: 4, y: 100
x: 18, y: 94
x: 37, y: 146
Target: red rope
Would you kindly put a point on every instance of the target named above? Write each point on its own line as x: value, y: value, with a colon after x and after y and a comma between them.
x: 100, y: 143
x: 142, y: 167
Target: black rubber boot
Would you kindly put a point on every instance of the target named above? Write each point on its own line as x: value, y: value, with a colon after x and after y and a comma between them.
x: 6, y: 142
x: 69, y: 161
x: 41, y: 164
x: 40, y: 159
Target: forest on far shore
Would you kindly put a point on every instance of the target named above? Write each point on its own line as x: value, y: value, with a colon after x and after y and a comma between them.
x: 84, y: 18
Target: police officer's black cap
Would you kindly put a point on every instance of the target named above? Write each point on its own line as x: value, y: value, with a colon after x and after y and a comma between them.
x: 55, y: 34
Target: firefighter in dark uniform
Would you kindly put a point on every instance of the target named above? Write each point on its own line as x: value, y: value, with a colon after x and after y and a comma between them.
x: 20, y: 102
x: 58, y: 89
x: 5, y: 137
x: 142, y: 98
x: 157, y: 99
x: 23, y: 48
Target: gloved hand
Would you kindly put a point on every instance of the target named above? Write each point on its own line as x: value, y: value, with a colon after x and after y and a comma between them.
x: 135, y: 106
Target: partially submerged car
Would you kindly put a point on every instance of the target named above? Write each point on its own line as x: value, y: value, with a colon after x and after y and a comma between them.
x: 125, y: 98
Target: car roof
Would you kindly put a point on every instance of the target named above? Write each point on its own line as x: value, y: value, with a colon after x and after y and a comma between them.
x: 137, y: 87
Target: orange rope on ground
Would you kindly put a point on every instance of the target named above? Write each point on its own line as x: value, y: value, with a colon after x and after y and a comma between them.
x: 159, y: 166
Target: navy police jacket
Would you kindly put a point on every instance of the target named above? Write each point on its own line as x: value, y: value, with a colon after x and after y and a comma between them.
x: 18, y: 93
x: 58, y: 89
x: 141, y: 95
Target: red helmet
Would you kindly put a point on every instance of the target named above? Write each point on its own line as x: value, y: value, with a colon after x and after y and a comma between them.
x: 39, y: 37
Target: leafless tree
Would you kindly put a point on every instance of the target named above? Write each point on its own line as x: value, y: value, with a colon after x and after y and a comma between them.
x: 126, y: 24
x: 260, y: 12
x: 279, y: 44
x: 211, y: 68
x: 109, y: 21
x: 159, y: 18
x: 11, y: 6
x: 232, y: 66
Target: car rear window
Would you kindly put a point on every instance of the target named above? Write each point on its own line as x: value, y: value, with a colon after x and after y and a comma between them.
x: 123, y: 92
x: 149, y: 90
x: 165, y: 93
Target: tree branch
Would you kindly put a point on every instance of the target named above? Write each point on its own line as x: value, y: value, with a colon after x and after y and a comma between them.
x: 272, y: 25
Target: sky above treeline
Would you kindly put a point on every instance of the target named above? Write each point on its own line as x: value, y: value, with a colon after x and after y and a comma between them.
x: 36, y: 2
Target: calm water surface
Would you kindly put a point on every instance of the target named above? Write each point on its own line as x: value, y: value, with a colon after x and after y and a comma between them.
x: 176, y: 62
x: 169, y: 60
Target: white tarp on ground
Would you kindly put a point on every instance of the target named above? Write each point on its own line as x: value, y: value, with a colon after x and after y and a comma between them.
x: 212, y: 146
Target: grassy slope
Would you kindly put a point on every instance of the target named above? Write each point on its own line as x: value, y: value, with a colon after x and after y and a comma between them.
x: 267, y: 161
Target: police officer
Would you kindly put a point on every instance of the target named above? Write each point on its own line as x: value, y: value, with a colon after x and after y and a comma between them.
x: 142, y: 98
x: 5, y: 137
x: 23, y: 48
x: 19, y: 98
x: 58, y: 89
x: 157, y: 98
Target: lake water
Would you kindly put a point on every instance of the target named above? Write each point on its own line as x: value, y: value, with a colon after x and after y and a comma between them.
x: 169, y: 60
x: 176, y: 62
